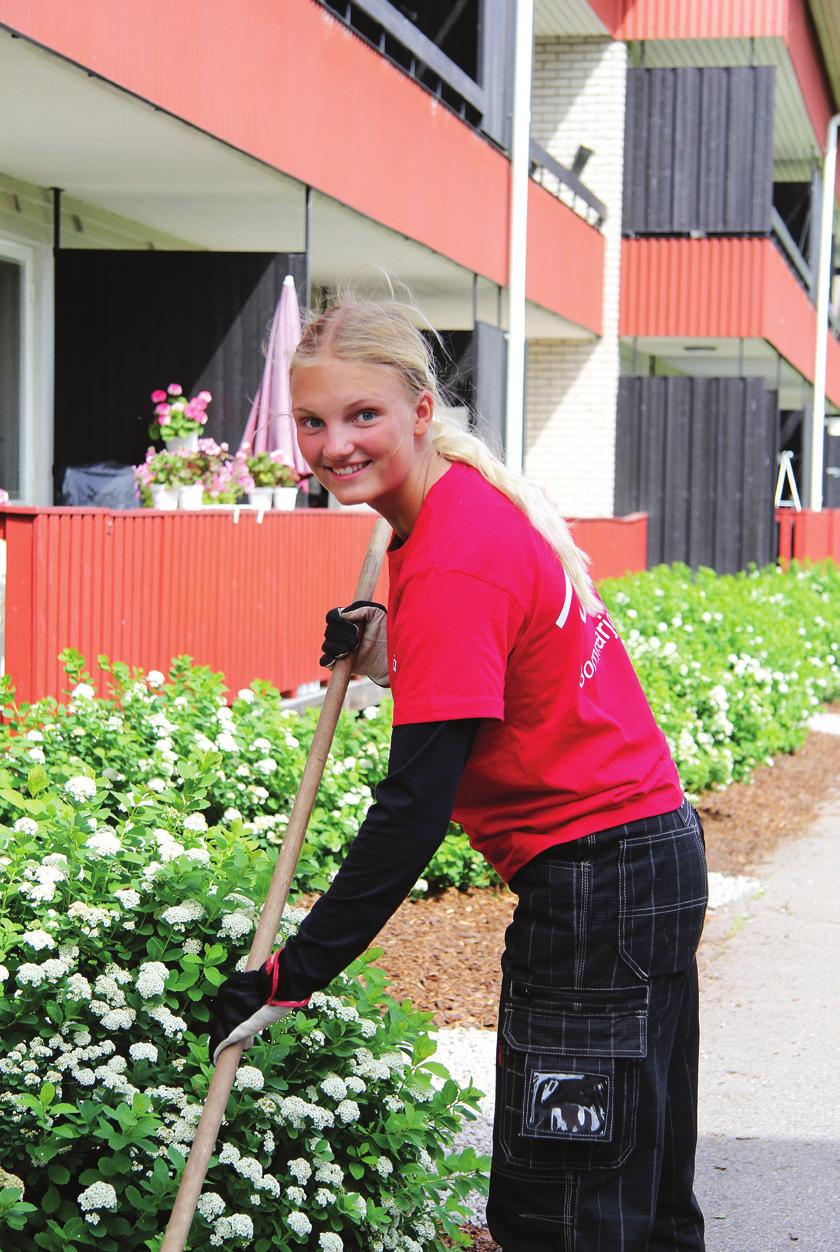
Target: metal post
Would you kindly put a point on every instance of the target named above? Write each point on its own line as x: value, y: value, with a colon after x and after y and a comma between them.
x: 307, y: 281
x: 824, y: 262
x: 518, y: 238
x: 56, y: 193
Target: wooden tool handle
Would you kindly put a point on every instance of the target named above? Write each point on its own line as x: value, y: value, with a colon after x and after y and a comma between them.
x: 195, y: 1170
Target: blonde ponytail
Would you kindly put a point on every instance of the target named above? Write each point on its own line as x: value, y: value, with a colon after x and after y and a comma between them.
x: 456, y: 444
x: 353, y: 329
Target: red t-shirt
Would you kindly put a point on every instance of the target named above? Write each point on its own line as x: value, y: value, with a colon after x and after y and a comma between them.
x: 483, y: 622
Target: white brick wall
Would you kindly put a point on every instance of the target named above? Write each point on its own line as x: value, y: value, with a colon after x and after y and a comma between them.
x: 578, y: 98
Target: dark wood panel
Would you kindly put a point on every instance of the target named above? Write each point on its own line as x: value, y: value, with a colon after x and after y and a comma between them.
x: 698, y: 455
x: 127, y: 322
x: 699, y: 150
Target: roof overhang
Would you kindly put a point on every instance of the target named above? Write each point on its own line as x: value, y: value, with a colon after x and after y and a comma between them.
x: 296, y: 92
x: 826, y: 16
x: 107, y: 148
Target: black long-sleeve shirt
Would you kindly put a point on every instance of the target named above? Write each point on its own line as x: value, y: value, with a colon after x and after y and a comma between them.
x: 403, y: 829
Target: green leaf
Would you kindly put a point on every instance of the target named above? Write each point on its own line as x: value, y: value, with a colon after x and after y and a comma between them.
x: 51, y: 1201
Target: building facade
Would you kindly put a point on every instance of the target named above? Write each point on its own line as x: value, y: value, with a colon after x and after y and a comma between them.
x: 163, y: 167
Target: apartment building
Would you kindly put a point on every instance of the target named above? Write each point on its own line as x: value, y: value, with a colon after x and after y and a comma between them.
x: 654, y: 284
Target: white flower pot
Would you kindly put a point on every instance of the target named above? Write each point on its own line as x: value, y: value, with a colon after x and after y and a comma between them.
x: 190, y: 497
x: 285, y: 498
x: 261, y: 497
x: 183, y: 443
x: 164, y: 498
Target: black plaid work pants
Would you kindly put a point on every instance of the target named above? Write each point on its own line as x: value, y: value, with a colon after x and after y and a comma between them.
x: 596, y: 1085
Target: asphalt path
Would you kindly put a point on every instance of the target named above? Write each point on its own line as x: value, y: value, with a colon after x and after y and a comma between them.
x: 768, y: 1167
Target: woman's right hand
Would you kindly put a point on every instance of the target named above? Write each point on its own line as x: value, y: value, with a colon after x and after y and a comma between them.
x: 361, y: 627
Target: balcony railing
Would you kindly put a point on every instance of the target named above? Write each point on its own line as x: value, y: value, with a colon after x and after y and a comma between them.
x: 790, y: 250
x: 401, y: 42
x: 556, y: 177
x: 384, y: 28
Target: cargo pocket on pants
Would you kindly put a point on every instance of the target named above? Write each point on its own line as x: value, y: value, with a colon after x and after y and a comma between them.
x: 569, y: 1078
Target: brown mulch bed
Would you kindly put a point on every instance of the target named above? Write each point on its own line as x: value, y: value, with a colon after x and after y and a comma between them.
x: 443, y: 952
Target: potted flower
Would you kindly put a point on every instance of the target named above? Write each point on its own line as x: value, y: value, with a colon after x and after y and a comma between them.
x: 275, y: 480
x: 177, y: 420
x: 161, y: 477
x: 225, y: 478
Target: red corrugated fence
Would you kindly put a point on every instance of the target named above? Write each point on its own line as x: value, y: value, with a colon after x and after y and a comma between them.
x: 247, y: 597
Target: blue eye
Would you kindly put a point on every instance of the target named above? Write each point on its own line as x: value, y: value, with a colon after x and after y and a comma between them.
x: 309, y: 423
x: 365, y: 415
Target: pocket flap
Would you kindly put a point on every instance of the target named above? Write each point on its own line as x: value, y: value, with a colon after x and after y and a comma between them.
x: 572, y: 1026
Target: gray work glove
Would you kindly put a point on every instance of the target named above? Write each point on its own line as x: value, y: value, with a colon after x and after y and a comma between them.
x: 359, y: 628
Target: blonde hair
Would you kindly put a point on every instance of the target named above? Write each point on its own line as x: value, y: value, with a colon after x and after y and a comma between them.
x: 354, y: 329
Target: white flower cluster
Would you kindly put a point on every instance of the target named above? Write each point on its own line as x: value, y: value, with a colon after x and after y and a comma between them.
x: 210, y: 1205
x: 104, y: 842
x: 167, y: 1020
x: 100, y: 1195
x: 299, y: 1222
x: 80, y: 788
x: 249, y: 1078
x: 179, y: 916
x: 237, y: 1226
x: 151, y: 979
x: 143, y: 1052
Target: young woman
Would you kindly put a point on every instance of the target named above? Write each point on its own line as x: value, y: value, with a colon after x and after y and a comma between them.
x: 517, y: 710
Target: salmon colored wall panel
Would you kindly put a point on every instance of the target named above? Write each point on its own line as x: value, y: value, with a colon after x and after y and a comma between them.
x: 289, y: 84
x: 565, y: 262
x: 808, y: 536
x: 806, y: 58
x: 721, y: 288
x: 700, y: 19
x: 616, y: 545
x: 245, y: 598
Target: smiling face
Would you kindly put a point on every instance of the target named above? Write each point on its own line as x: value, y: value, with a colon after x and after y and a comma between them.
x: 364, y: 435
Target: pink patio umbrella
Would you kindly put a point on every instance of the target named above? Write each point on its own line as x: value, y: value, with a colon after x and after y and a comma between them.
x: 270, y: 427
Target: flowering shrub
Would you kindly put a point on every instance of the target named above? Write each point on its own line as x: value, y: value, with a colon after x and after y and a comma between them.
x: 175, y: 415
x: 729, y: 665
x: 733, y: 666
x: 114, y: 933
x: 150, y: 726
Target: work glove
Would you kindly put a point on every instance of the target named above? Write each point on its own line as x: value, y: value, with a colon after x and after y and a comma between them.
x: 360, y: 628
x: 246, y: 1004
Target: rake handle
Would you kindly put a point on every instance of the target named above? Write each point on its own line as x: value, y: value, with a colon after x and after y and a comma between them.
x: 195, y: 1170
